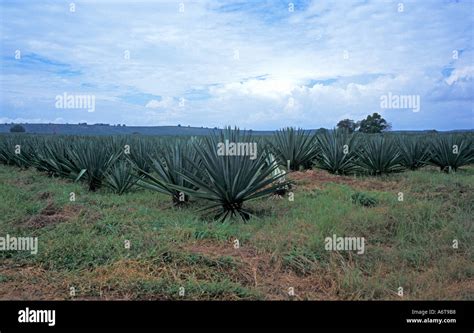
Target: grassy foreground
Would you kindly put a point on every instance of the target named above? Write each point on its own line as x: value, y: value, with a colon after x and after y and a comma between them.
x: 175, y: 253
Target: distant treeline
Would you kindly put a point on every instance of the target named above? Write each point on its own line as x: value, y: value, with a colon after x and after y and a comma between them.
x: 106, y: 129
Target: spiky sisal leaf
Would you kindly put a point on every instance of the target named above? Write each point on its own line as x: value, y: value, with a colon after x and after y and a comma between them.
x: 295, y: 146
x: 337, y: 151
x: 227, y: 182
x: 278, y: 172
x: 95, y: 159
x: 414, y: 151
x: 18, y: 150
x: 451, y: 151
x: 142, y: 150
x: 166, y: 170
x: 379, y: 155
x: 119, y: 178
x: 51, y: 157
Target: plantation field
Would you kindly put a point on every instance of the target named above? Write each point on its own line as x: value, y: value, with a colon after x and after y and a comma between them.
x: 176, y: 253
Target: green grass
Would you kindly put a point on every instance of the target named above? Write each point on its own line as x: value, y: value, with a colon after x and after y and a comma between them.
x: 408, y: 243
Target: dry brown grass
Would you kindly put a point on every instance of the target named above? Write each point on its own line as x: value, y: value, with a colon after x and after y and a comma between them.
x: 317, y: 179
x: 265, y: 272
x: 31, y: 283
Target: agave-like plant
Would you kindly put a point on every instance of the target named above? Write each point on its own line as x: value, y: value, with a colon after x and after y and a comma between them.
x: 414, y: 152
x: 229, y: 178
x: 279, y: 172
x: 451, y: 151
x: 51, y: 157
x: 337, y: 151
x: 293, y: 148
x: 119, y: 178
x: 17, y: 150
x: 166, y: 170
x: 379, y: 155
x: 90, y: 161
x: 141, y: 151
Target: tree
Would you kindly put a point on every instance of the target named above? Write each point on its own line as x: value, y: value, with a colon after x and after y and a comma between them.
x: 373, y: 124
x: 17, y: 129
x: 348, y: 124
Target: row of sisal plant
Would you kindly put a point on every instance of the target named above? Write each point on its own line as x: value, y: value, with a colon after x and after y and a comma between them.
x: 341, y: 152
x: 179, y: 167
x: 194, y: 167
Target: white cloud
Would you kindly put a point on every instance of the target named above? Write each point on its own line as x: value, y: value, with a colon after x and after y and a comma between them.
x: 166, y: 102
x: 173, y: 53
x: 464, y: 73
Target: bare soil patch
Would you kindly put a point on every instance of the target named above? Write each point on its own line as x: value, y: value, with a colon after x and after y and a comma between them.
x: 264, y: 271
x: 31, y: 283
x: 52, y: 214
x: 45, y: 195
x: 317, y: 179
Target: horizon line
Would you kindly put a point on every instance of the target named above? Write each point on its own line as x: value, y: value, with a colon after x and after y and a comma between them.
x: 220, y: 128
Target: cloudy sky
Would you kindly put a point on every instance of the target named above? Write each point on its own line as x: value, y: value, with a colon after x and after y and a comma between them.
x: 254, y: 64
